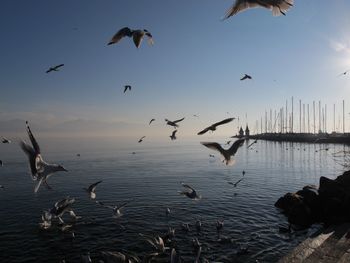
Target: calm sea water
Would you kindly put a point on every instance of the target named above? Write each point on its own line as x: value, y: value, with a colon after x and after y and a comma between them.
x: 151, y: 178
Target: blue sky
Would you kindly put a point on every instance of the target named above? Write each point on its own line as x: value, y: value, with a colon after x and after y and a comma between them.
x: 194, y: 66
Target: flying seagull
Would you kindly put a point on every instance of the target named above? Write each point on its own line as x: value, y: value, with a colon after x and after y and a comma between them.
x: 190, y: 192
x: 127, y: 87
x: 59, y: 209
x: 236, y: 183
x: 278, y: 7
x: 137, y: 36
x: 151, y: 121
x: 40, y: 170
x: 5, y: 140
x: 246, y: 76
x: 91, y: 189
x: 225, y: 153
x: 55, y: 68
x: 344, y: 73
x: 141, y: 139
x: 116, y: 209
x: 213, y: 126
x: 174, y: 123
x: 172, y: 136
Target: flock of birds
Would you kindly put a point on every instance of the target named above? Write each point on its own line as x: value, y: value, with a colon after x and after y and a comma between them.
x: 41, y: 170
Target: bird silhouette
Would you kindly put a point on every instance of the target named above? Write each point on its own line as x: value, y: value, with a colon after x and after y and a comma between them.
x: 172, y: 136
x: 55, y: 68
x: 91, y: 189
x: 141, y: 139
x: 127, y: 87
x: 246, y: 76
x: 213, y: 126
x: 40, y: 170
x: 278, y: 7
x: 225, y: 153
x: 174, y: 123
x: 151, y: 121
x: 344, y: 73
x: 236, y: 183
x: 137, y: 36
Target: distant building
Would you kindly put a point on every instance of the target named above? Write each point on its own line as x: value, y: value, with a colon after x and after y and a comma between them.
x: 241, y: 132
x: 247, y: 132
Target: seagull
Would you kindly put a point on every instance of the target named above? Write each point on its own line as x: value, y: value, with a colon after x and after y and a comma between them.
x: 137, y: 36
x: 62, y: 207
x: 40, y: 170
x: 151, y: 121
x: 141, y: 139
x: 109, y: 256
x: 4, y: 140
x: 127, y: 87
x: 236, y: 183
x: 55, y: 68
x: 278, y: 7
x: 172, y: 136
x: 78, y: 154
x: 225, y: 153
x: 243, y: 172
x: 116, y: 209
x: 46, y: 220
x: 246, y: 77
x: 156, y: 242
x: 190, y: 192
x: 174, y: 123
x: 344, y: 73
x: 195, y: 115
x: 91, y: 189
x: 213, y: 126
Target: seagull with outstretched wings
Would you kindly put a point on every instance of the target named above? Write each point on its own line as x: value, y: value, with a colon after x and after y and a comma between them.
x: 55, y: 68
x: 174, y: 123
x: 137, y: 36
x: 213, y: 126
x: 225, y: 153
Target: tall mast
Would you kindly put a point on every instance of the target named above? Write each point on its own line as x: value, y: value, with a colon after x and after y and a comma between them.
x: 308, y: 119
x: 299, y: 116
x: 314, y: 112
x: 292, y: 114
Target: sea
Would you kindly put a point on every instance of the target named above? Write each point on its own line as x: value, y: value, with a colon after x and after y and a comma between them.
x: 148, y: 176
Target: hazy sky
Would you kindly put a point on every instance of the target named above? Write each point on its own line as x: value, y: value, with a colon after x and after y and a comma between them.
x: 194, y: 66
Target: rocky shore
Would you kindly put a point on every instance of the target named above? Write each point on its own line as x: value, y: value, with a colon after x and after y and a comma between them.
x: 328, y: 204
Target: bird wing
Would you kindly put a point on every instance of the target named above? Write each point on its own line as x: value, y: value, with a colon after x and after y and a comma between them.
x: 124, y: 204
x: 32, y: 139
x: 223, y: 122
x: 215, y: 146
x: 125, y: 31
x: 235, y: 184
x: 151, y: 121
x: 204, y: 131
x: 179, y: 120
x: 92, y: 187
x: 150, y: 37
x: 239, y: 6
x: 233, y: 149
x: 137, y: 37
x: 187, y: 186
x: 58, y: 66
x: 29, y: 151
x: 125, y: 88
x: 49, y: 70
x: 173, y: 134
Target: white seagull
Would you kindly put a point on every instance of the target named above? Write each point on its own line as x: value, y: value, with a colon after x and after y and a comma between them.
x: 137, y: 36
x: 116, y: 209
x: 225, y: 153
x: 278, y: 7
x: 91, y: 190
x: 40, y: 170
